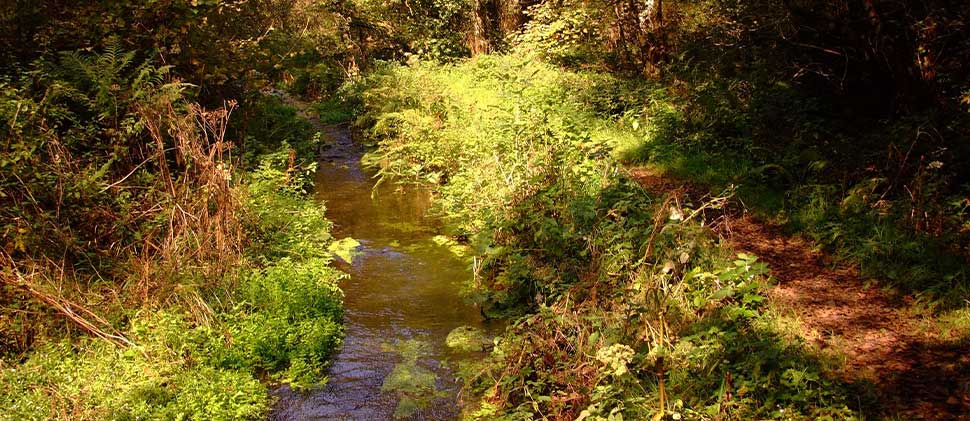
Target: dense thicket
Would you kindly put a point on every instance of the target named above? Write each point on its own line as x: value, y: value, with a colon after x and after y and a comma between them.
x: 843, y: 122
x: 104, y: 147
x: 156, y: 240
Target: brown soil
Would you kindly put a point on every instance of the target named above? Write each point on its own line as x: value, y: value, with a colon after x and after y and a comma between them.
x: 917, y: 372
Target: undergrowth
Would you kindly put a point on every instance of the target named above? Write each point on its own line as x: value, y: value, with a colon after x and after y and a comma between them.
x: 624, y: 303
x: 205, y: 276
x: 896, y: 210
x: 280, y: 322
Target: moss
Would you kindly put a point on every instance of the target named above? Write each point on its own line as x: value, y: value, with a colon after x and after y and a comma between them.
x: 345, y: 249
x: 413, y: 384
x: 467, y: 339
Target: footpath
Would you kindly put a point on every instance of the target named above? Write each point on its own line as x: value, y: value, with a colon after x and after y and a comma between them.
x: 918, y: 372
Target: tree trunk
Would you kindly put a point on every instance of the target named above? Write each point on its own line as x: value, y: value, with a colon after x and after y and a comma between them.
x: 478, y: 38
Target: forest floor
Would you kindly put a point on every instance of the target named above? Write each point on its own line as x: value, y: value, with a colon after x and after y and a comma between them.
x: 918, y: 369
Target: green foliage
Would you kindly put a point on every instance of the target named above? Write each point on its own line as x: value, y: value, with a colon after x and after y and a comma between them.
x: 218, y: 45
x: 564, y: 32
x: 321, y: 80
x: 613, y: 282
x: 891, y: 219
x: 345, y: 249
x: 428, y: 28
x: 162, y: 378
x: 341, y: 106
x: 108, y: 83
x: 269, y: 125
x: 204, y: 338
x: 289, y: 314
x: 876, y: 235
x: 283, y: 318
x: 795, y: 116
x: 121, y: 206
x: 288, y: 321
x: 286, y: 224
x: 70, y: 135
x: 853, y: 134
x: 466, y: 128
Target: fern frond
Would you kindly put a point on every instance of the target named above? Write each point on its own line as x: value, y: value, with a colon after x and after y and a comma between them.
x: 108, y: 82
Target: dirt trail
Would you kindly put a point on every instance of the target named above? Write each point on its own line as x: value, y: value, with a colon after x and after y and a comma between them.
x: 918, y: 374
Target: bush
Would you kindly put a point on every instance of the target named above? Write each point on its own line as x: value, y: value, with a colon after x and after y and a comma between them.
x: 270, y: 124
x: 320, y: 81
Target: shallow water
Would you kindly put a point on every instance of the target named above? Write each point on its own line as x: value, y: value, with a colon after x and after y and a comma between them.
x: 403, y: 286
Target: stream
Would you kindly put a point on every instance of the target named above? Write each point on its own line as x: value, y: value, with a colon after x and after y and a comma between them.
x: 401, y: 301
